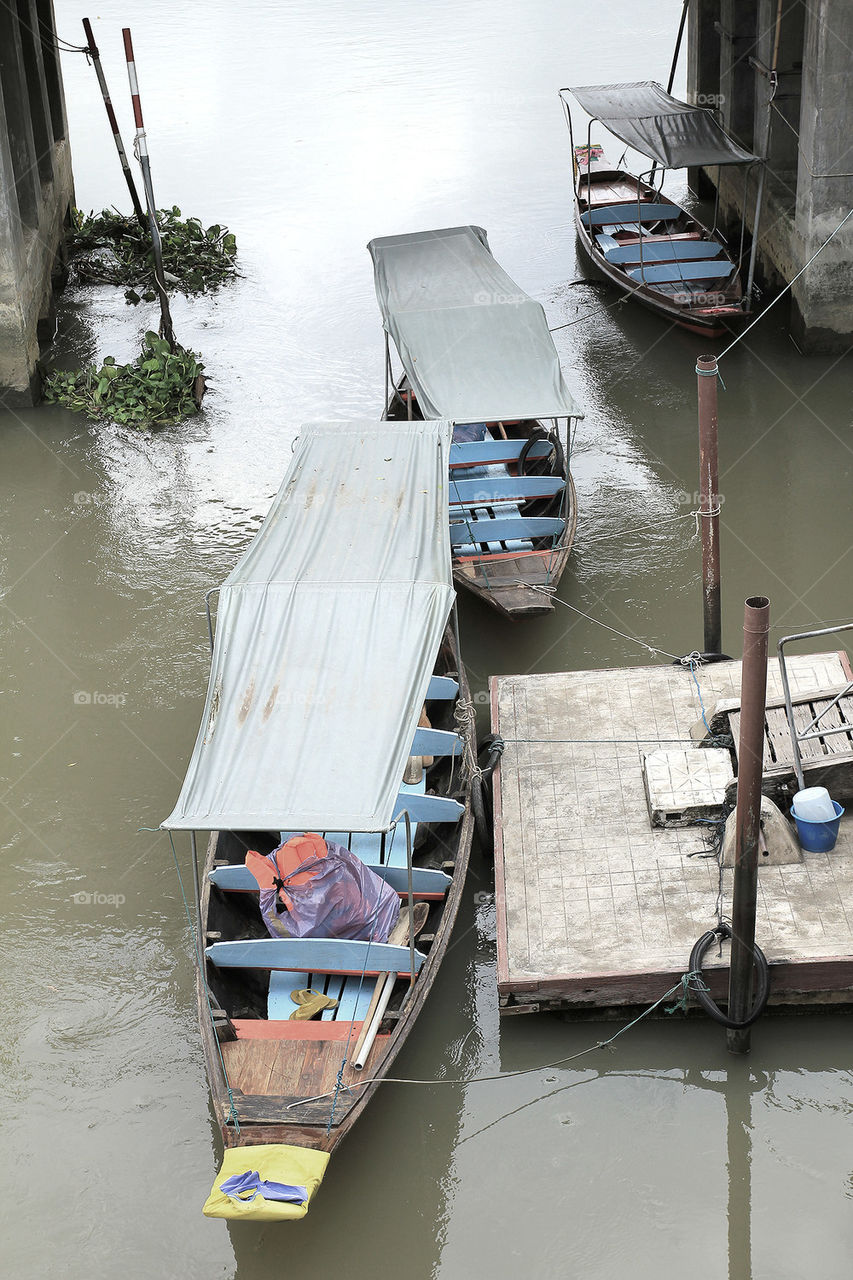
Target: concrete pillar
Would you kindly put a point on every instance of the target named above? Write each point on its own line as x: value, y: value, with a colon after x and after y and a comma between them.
x: 19, y: 128
x: 822, y: 315
x: 784, y: 115
x: 52, y: 73
x: 809, y: 183
x: 738, y: 28
x: 36, y: 191
x: 703, y: 72
x: 36, y: 87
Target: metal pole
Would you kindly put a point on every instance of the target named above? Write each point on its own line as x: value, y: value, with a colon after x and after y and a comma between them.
x: 410, y: 897
x: 670, y: 82
x: 145, y: 164
x: 197, y: 893
x: 111, y: 116
x: 756, y: 630
x: 709, y: 504
x: 753, y: 252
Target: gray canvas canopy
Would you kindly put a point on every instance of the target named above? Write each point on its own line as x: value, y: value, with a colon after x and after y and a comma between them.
x: 475, y: 348
x: 672, y: 133
x: 327, y: 632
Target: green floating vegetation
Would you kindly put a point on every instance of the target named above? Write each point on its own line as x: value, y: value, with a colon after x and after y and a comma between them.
x: 160, y: 387
x: 112, y: 248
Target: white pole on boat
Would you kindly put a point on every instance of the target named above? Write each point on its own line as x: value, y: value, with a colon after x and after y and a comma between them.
x: 372, y: 1025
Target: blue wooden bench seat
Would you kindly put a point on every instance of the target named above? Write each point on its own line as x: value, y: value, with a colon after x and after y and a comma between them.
x: 689, y: 272
x: 630, y: 212
x: 504, y: 488
x: 674, y: 251
x: 436, y: 742
x: 426, y: 882
x: 483, y: 452
x: 314, y: 955
x: 352, y: 994
x: 369, y: 845
x: 504, y: 530
x: 442, y: 688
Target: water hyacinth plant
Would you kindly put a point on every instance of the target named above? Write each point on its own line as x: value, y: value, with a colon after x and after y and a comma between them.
x: 159, y: 388
x: 112, y: 248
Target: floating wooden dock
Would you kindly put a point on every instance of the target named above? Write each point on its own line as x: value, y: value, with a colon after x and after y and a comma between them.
x: 596, y: 908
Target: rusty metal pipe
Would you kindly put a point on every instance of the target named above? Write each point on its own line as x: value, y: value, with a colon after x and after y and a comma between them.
x: 709, y: 502
x: 756, y: 631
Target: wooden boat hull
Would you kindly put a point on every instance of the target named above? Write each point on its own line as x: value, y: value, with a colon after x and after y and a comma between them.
x: 515, y: 584
x: 280, y: 1064
x: 703, y: 316
x: 510, y: 586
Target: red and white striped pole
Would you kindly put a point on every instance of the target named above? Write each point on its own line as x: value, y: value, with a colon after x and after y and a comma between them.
x: 141, y: 147
x: 111, y: 116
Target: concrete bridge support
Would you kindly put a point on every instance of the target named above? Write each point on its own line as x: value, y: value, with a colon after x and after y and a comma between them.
x: 36, y: 191
x: 780, y: 77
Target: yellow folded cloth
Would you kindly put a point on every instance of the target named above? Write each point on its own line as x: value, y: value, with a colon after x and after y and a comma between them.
x: 310, y: 1003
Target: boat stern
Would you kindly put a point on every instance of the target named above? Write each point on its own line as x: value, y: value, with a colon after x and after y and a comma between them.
x: 268, y: 1183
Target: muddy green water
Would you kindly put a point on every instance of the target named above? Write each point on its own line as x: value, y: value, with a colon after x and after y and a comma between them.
x: 308, y: 129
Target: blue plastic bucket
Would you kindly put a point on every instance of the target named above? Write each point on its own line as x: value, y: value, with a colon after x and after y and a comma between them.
x: 818, y: 837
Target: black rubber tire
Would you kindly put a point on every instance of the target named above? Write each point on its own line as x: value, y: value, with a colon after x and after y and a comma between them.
x: 556, y: 466
x: 712, y: 1009
x: 483, y: 825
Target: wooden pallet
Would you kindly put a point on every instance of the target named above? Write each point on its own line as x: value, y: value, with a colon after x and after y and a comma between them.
x: 827, y: 762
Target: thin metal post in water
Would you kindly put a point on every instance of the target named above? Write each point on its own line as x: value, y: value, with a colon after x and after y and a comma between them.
x: 671, y: 81
x: 709, y: 503
x: 756, y: 630
x: 145, y: 164
x: 111, y: 116
x: 676, y: 51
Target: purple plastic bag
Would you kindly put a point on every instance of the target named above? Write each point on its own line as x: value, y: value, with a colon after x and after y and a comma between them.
x: 343, y: 899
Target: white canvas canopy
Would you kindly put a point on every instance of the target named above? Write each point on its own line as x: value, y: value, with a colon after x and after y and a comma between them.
x: 474, y: 347
x: 675, y: 134
x: 327, y: 632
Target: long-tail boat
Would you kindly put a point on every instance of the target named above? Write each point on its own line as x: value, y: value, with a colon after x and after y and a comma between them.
x: 335, y: 674
x: 641, y: 240
x: 475, y: 349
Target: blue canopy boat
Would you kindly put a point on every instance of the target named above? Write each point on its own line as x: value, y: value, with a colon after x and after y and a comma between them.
x: 476, y: 350
x: 335, y: 669
x: 641, y: 240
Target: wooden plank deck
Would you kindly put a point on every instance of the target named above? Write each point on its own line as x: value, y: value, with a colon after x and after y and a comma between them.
x: 595, y: 908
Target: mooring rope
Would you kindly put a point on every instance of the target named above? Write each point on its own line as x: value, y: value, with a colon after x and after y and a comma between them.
x: 789, y: 285
x: 633, y: 639
x: 687, y: 982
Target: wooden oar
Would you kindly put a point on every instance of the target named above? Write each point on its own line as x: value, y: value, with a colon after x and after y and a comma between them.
x: 398, y: 936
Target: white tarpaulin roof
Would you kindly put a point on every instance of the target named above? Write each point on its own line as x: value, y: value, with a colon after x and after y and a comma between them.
x: 327, y: 632
x: 474, y: 347
x: 650, y: 120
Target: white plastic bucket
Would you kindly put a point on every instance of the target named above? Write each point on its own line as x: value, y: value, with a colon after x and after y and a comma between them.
x: 814, y: 805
